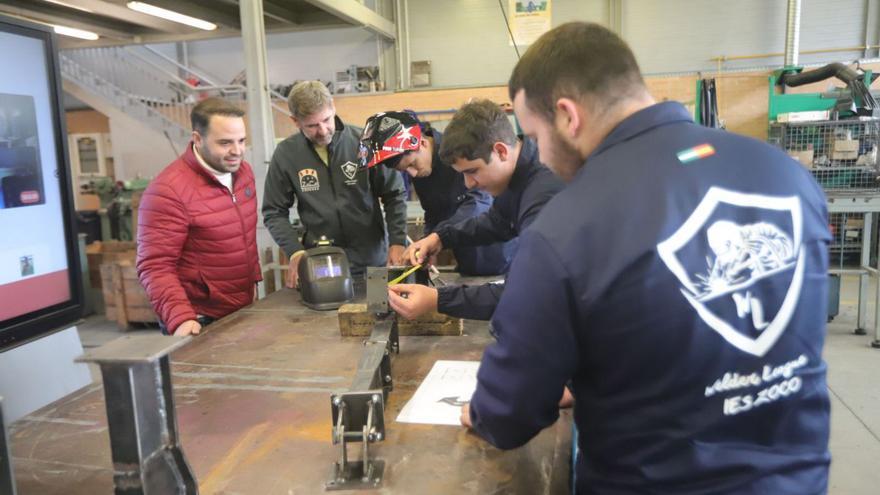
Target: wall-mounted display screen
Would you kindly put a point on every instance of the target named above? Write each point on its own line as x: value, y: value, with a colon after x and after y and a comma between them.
x: 39, y: 268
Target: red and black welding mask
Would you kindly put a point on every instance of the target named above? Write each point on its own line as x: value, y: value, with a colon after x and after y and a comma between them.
x: 387, y: 136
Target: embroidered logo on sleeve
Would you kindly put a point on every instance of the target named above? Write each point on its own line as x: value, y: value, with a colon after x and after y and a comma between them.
x: 308, y: 180
x: 350, y: 169
x: 741, y: 265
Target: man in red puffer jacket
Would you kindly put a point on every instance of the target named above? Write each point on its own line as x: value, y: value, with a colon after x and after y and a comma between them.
x: 197, y: 245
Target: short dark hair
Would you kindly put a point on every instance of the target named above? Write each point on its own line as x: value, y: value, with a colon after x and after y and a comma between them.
x: 474, y: 130
x: 205, y: 109
x: 577, y: 60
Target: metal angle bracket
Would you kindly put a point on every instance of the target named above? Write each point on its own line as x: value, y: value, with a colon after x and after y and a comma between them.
x: 377, y: 284
x: 357, y: 417
x: 377, y: 290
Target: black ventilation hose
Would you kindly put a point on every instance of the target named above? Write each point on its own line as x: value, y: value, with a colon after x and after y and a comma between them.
x: 865, y: 104
x: 835, y: 69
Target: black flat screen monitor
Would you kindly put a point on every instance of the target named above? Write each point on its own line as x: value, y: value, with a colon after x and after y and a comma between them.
x: 40, y: 277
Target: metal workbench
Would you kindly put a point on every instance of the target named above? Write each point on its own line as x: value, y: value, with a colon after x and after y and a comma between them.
x: 252, y: 399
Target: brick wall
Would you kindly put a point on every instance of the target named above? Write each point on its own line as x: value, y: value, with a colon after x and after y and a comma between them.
x: 742, y: 101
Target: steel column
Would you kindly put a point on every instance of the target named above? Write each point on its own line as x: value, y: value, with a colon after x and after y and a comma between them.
x: 792, y: 33
x: 861, y: 323
x: 260, y: 119
x: 142, y: 422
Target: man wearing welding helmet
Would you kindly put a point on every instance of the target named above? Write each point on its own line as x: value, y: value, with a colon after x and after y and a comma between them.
x: 398, y: 140
x: 481, y: 144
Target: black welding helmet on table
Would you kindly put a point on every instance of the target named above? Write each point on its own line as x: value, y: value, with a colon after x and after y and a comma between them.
x: 325, y: 276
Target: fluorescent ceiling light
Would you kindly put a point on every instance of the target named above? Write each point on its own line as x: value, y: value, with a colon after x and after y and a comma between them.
x: 75, y: 33
x: 171, y: 15
x: 68, y: 5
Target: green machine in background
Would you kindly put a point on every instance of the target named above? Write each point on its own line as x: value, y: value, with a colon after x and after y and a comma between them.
x: 116, y: 208
x: 836, y: 135
x: 854, y: 100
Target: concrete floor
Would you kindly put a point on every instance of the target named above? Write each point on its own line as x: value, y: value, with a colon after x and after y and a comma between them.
x: 854, y: 381
x: 853, y: 378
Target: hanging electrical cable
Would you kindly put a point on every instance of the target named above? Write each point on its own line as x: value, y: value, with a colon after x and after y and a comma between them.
x: 708, y: 104
x: 507, y: 23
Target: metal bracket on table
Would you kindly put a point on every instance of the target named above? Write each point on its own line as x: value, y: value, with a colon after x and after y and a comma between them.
x: 377, y: 284
x: 7, y: 480
x: 359, y: 414
x: 147, y: 457
x: 358, y: 417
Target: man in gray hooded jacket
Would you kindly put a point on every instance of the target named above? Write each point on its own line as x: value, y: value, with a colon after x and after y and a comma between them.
x: 317, y: 170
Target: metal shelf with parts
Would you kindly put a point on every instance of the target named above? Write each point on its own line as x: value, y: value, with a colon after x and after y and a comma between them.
x: 841, y: 154
x: 847, y: 230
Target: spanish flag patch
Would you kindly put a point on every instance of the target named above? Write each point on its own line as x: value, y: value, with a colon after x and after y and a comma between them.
x: 696, y: 153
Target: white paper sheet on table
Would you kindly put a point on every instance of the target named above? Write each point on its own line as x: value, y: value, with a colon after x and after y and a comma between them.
x: 439, y: 398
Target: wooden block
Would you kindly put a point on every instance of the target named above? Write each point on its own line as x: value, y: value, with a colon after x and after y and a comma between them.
x: 89, y: 202
x: 355, y: 321
x: 118, y: 246
x: 119, y: 297
x: 99, y: 253
x: 135, y: 205
x: 125, y: 300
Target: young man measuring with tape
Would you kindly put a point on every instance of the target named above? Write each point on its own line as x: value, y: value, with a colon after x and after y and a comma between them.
x: 481, y: 144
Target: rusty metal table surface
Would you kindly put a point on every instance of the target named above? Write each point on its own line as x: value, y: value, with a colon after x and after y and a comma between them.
x: 253, y: 405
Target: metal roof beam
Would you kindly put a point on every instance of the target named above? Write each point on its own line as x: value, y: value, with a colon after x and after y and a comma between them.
x: 205, y: 35
x: 217, y: 12
x: 359, y: 15
x: 123, y: 13
x: 280, y: 12
x: 103, y: 29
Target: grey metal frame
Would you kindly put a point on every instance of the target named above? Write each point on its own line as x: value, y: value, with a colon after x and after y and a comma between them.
x: 142, y: 422
x: 358, y: 415
x: 870, y: 206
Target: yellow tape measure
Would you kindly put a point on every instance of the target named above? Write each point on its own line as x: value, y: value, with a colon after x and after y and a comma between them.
x: 404, y: 275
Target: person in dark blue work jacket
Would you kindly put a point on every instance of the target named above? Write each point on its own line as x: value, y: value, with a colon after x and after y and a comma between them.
x: 400, y: 141
x: 679, y: 281
x: 481, y: 144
